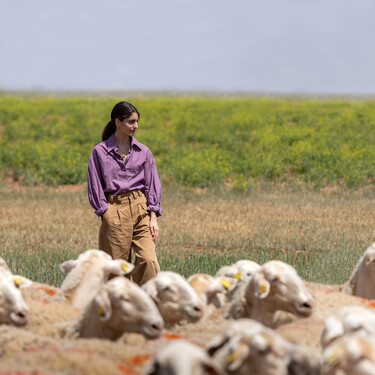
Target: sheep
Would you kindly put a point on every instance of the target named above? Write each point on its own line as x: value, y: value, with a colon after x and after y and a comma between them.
x: 183, y: 358
x: 175, y: 298
x: 248, y: 347
x: 211, y: 290
x: 352, y: 354
x: 86, y: 274
x: 13, y: 309
x: 348, y: 319
x: 274, y: 286
x: 362, y: 280
x: 119, y: 306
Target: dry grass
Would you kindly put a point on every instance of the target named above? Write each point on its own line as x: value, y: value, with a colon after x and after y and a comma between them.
x: 321, y: 233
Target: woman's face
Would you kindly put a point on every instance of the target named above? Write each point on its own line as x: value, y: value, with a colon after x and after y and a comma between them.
x: 128, y: 126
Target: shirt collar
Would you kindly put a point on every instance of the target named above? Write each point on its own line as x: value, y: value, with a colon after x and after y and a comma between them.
x: 112, y: 144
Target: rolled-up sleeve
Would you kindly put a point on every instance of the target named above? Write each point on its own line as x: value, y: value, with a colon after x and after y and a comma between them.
x: 153, y: 190
x: 95, y: 184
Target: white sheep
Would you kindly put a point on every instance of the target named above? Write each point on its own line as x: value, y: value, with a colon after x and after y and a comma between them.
x: 13, y: 309
x: 183, y: 358
x: 239, y: 273
x: 86, y: 274
x: 348, y: 319
x: 175, y: 298
x: 275, y: 286
x: 248, y: 347
x: 119, y: 306
x: 211, y: 290
x: 352, y: 354
x: 362, y: 280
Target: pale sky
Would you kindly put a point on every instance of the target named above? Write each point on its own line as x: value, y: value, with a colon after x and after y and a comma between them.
x: 280, y: 46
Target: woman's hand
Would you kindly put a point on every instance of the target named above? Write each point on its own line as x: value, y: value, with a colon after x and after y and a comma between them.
x: 154, y: 227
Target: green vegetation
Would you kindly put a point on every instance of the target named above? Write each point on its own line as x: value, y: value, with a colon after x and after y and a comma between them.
x: 197, y: 141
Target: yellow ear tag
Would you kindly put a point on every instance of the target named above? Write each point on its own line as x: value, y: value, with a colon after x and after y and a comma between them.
x: 231, y: 357
x: 18, y: 280
x: 333, y: 357
x: 225, y: 283
x: 237, y: 275
x: 262, y: 289
x: 101, y: 311
x: 124, y: 266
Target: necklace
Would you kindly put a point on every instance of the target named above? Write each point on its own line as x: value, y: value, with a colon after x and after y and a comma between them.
x: 124, y: 152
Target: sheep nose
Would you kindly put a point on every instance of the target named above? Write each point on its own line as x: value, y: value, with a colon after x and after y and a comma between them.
x: 198, y: 310
x: 157, y: 327
x: 20, y: 317
x: 22, y: 314
x: 306, y: 308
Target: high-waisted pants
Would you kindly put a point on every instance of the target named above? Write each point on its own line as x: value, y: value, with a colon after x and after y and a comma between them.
x: 125, y: 227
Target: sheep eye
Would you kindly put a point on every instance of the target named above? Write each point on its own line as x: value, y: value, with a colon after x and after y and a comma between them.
x: 166, y: 289
x: 265, y: 351
x: 274, y: 280
x: 125, y: 299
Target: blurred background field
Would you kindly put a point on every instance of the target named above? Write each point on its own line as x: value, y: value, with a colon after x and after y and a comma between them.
x: 197, y: 141
x: 243, y: 177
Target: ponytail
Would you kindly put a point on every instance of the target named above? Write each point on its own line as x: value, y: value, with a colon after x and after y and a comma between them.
x: 108, y: 130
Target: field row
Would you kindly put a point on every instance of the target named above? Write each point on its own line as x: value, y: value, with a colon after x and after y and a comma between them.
x: 196, y: 141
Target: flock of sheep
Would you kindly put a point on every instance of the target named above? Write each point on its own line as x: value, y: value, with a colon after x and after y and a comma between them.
x: 246, y: 319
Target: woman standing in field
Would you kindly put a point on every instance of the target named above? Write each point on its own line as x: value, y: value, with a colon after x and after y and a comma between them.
x: 124, y: 190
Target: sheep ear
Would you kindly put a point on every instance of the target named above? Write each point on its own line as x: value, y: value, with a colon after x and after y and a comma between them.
x: 219, y: 285
x: 119, y: 267
x: 104, y: 307
x: 260, y: 343
x: 215, y: 344
x: 236, y: 359
x: 262, y: 285
x: 67, y: 266
x: 332, y: 330
x: 151, y: 289
x: 333, y: 357
x: 370, y: 258
x: 21, y: 282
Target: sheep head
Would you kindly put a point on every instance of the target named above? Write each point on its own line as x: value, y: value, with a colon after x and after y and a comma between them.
x: 175, y: 298
x: 278, y: 285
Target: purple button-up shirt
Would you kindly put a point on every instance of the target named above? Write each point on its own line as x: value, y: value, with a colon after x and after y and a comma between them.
x: 109, y: 174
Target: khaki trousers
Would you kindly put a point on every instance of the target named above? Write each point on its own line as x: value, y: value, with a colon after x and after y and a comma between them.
x: 125, y: 226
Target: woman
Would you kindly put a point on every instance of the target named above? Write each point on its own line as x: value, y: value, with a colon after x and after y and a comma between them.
x: 124, y: 190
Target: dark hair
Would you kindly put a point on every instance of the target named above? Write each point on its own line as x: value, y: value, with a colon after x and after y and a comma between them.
x: 121, y: 110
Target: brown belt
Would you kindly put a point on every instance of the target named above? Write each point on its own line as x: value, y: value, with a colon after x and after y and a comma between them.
x: 124, y: 197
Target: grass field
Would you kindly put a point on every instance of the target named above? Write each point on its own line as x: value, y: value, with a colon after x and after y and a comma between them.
x: 197, y: 141
x: 321, y: 233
